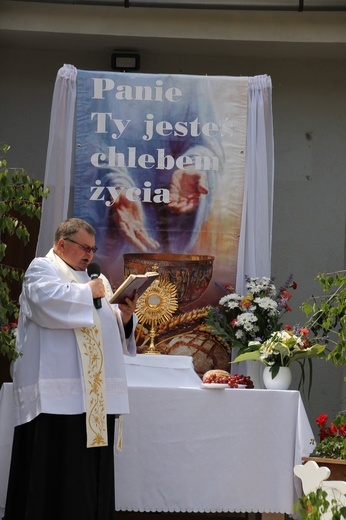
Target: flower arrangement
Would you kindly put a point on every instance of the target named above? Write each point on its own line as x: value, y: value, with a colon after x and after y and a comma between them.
x: 281, y: 349
x: 332, y: 438
x: 239, y: 319
x: 253, y: 324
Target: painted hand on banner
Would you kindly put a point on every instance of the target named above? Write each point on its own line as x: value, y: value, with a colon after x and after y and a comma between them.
x: 187, y: 187
x: 130, y: 219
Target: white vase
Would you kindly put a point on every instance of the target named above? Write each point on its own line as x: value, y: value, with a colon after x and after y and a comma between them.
x: 281, y: 381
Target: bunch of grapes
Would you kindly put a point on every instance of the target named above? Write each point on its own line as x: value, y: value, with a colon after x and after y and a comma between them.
x: 238, y: 379
x: 233, y: 380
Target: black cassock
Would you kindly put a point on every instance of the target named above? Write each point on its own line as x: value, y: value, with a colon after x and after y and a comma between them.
x: 54, y: 476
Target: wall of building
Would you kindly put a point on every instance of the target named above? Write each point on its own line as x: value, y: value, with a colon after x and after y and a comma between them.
x: 309, y: 110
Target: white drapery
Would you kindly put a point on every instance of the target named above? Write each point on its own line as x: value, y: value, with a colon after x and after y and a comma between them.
x: 254, y: 255
x: 58, y: 175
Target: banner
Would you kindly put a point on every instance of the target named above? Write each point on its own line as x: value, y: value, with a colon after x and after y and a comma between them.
x: 146, y: 106
x: 159, y: 173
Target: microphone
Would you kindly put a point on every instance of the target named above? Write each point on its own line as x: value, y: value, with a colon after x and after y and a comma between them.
x: 94, y: 271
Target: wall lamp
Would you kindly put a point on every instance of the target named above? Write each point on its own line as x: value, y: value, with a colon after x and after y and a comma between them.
x: 125, y: 61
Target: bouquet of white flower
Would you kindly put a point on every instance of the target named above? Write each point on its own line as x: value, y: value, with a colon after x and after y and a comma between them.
x: 241, y: 319
x: 281, y: 349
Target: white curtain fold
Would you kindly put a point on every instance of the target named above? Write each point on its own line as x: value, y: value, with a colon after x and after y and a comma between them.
x: 254, y: 255
x: 59, y: 165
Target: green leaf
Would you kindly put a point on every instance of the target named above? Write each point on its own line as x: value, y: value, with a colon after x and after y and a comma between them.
x: 19, y: 195
x: 248, y: 356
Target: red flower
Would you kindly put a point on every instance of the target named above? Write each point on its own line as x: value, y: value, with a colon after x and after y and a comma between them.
x: 287, y: 327
x: 286, y: 295
x: 294, y: 285
x: 233, y: 322
x: 324, y: 433
x: 304, y: 332
x: 333, y: 428
x: 338, y: 430
x: 322, y: 420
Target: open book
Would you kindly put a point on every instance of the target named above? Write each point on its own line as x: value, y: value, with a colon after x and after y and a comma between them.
x: 134, y: 282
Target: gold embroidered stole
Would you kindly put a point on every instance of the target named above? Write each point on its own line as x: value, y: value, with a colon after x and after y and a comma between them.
x: 91, y: 351
x: 109, y: 294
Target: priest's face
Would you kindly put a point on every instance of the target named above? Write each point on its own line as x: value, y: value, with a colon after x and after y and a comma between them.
x: 77, y: 250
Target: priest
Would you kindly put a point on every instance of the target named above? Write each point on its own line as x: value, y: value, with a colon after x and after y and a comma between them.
x: 69, y: 384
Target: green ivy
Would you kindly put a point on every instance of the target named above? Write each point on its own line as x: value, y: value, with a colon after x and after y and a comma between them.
x: 20, y: 196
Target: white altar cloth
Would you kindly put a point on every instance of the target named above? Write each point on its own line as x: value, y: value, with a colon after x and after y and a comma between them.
x: 161, y: 371
x: 203, y: 450
x: 6, y: 434
x: 195, y: 449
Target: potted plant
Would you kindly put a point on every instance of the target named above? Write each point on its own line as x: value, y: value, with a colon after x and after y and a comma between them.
x: 248, y: 321
x: 278, y: 352
x: 253, y: 324
x: 330, y: 451
x: 20, y: 198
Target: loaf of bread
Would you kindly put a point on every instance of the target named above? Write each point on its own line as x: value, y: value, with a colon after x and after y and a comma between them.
x: 211, y: 374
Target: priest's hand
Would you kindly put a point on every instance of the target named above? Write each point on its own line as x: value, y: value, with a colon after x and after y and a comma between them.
x: 128, y: 308
x: 97, y: 288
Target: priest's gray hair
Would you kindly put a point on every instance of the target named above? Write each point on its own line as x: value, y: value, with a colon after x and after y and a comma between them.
x: 70, y: 227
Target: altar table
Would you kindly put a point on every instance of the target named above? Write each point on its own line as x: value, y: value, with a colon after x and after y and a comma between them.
x: 191, y: 449
x: 203, y: 450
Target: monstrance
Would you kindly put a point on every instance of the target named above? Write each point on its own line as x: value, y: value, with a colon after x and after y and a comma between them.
x: 157, y: 305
